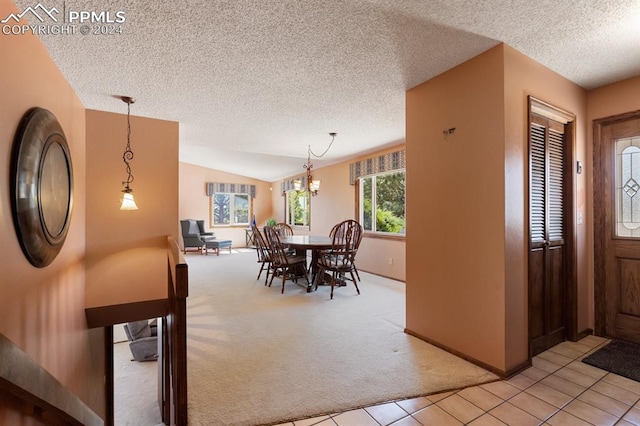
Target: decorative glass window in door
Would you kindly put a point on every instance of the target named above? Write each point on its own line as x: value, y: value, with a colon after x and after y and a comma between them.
x: 628, y: 187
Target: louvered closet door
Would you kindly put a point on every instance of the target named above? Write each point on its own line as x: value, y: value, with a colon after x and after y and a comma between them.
x: 547, y: 318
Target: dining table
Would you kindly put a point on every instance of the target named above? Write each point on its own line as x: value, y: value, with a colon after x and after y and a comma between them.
x: 302, y: 243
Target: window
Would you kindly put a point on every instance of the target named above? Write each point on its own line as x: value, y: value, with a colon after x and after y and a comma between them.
x: 627, y: 187
x: 382, y: 203
x: 230, y: 209
x: 298, y: 208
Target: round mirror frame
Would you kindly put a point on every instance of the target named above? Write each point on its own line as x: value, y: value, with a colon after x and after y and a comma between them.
x: 41, y: 186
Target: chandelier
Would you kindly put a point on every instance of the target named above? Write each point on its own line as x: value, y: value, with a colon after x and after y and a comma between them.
x: 311, y: 185
x: 128, y: 203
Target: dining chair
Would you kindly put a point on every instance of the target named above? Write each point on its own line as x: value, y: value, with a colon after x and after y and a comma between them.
x: 283, y: 229
x: 263, y: 251
x: 287, y: 265
x: 340, y: 258
x: 331, y: 234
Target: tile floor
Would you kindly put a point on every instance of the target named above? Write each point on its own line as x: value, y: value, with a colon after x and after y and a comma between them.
x: 557, y: 390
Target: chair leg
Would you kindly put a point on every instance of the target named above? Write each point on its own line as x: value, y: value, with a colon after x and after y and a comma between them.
x: 357, y: 274
x: 354, y: 280
x: 284, y: 278
x: 273, y: 274
x: 333, y: 282
x: 260, y: 273
x: 269, y: 270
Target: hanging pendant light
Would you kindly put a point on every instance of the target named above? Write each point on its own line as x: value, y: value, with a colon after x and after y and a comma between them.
x: 128, y: 203
x: 312, y: 185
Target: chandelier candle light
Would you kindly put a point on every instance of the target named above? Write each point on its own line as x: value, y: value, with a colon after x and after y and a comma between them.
x: 128, y: 203
x: 312, y: 186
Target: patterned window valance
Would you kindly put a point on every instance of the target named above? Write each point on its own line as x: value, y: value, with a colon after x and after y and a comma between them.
x: 234, y: 188
x: 370, y: 166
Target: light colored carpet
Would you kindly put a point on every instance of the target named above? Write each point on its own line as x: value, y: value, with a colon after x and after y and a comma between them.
x: 256, y: 356
x: 136, y: 389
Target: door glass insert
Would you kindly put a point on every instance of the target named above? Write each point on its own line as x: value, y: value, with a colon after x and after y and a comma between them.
x: 628, y: 187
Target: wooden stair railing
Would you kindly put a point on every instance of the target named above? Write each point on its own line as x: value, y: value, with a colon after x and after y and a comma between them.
x: 174, y: 358
x: 52, y: 403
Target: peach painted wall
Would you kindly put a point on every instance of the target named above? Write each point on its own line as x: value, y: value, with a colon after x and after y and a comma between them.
x: 194, y: 202
x: 456, y: 209
x: 42, y: 309
x: 612, y: 99
x: 126, y: 250
x: 467, y: 259
x: 335, y: 202
x: 524, y: 77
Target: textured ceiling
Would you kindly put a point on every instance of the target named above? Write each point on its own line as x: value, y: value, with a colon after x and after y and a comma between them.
x: 254, y: 82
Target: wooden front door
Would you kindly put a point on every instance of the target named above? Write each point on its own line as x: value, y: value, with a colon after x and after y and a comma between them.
x: 617, y: 226
x: 550, y: 226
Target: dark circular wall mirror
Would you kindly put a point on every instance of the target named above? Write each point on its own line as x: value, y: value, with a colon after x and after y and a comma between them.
x: 41, y: 186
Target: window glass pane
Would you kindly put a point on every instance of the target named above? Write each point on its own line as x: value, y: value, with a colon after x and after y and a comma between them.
x: 366, y: 195
x: 221, y: 209
x: 298, y: 208
x: 628, y: 187
x: 241, y: 209
x: 382, y: 203
x: 390, y: 203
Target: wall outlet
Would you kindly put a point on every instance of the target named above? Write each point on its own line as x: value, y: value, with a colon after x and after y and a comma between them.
x: 580, y: 218
x: 390, y: 261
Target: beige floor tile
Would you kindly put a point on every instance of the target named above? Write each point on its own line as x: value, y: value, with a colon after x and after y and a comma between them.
x: 487, y: 420
x: 590, y: 414
x: 562, y: 418
x: 513, y: 416
x: 625, y: 423
x: 576, y: 377
x: 615, y: 392
x: 534, y: 406
x: 633, y: 416
x: 312, y: 421
x: 570, y: 349
x: 555, y: 358
x: 501, y: 389
x: 460, y: 408
x: 354, y: 418
x: 386, y: 413
x: 549, y: 395
x: 521, y: 381
x: 328, y: 422
x: 587, y: 369
x: 603, y: 402
x: 593, y: 341
x: 623, y: 382
x: 535, y: 373
x: 563, y: 385
x: 545, y: 365
x: 285, y: 424
x: 434, y: 415
x: 480, y: 397
x: 414, y: 404
x: 407, y: 421
x: 438, y: 396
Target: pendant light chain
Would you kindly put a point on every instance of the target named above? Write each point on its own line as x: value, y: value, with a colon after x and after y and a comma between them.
x: 128, y: 154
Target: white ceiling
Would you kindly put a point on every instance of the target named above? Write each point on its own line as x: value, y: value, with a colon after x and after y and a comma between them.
x: 254, y: 82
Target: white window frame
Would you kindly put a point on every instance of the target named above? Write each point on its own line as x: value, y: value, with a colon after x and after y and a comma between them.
x: 361, y: 218
x: 232, y: 209
x: 289, y: 211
